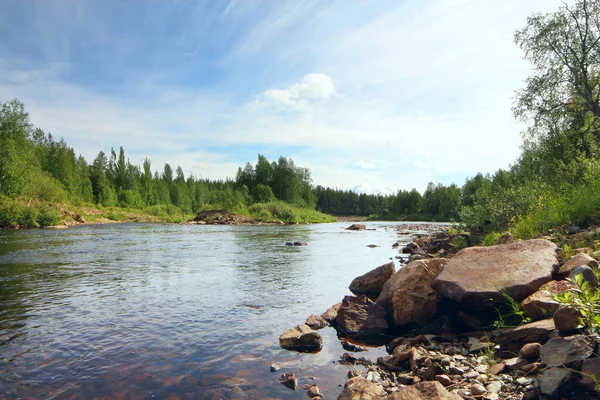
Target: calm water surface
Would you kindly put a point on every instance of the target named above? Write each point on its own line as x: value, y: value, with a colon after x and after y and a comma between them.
x: 169, y: 311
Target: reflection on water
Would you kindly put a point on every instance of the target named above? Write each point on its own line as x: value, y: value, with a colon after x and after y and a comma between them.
x: 152, y: 311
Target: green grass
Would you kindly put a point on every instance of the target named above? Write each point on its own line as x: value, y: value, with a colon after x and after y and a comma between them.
x: 276, y: 211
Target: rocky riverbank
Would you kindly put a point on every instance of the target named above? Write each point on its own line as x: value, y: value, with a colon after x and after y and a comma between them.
x: 497, y: 322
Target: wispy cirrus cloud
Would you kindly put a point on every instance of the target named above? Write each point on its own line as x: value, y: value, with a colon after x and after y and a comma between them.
x: 377, y: 96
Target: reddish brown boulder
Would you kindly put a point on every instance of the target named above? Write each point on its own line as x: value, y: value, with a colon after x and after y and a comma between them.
x: 477, y: 275
x: 372, y: 282
x: 576, y: 261
x: 424, y: 391
x: 408, y: 297
x: 361, y: 317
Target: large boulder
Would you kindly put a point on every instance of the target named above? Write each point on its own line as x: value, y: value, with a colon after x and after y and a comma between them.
x: 408, y: 296
x: 301, y: 338
x: 542, y: 304
x: 478, y: 275
x: 359, y: 388
x: 424, y: 391
x: 372, y: 282
x: 577, y: 260
x: 361, y: 317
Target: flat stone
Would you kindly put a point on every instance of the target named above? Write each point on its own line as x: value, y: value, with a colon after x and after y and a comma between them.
x: 372, y: 282
x: 512, y: 340
x: 494, y: 387
x: 477, y: 275
x: 563, y: 351
x: 408, y: 296
x: 444, y: 380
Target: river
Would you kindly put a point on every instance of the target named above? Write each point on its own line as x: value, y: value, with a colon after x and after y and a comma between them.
x: 128, y: 311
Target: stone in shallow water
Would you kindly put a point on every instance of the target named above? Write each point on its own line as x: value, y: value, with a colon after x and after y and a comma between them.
x: 301, y: 338
x: 372, y: 282
x: 289, y: 380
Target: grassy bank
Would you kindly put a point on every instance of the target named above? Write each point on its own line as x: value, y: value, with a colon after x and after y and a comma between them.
x: 31, y: 213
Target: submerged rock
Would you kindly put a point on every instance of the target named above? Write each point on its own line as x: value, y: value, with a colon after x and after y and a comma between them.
x: 477, y: 275
x: 301, y: 338
x: 372, y: 282
x: 357, y: 227
x: 289, y: 380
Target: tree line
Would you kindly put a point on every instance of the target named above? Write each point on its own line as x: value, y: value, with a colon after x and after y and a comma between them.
x: 554, y: 181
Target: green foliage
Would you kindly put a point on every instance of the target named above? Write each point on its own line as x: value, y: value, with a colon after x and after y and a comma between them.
x: 32, y: 214
x: 490, y: 238
x: 586, y: 300
x: 510, y: 313
x: 282, y: 212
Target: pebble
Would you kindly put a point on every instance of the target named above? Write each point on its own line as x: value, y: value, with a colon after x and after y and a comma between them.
x: 477, y: 389
x: 275, y: 367
x: 494, y: 387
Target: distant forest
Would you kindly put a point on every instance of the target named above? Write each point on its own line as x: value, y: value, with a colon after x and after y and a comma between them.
x: 33, y: 164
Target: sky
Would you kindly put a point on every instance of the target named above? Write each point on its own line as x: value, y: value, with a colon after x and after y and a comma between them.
x: 373, y: 96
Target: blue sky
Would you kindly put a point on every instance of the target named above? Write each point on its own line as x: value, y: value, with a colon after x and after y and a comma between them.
x: 370, y: 95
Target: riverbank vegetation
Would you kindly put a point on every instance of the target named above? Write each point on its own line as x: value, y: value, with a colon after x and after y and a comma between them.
x: 553, y: 184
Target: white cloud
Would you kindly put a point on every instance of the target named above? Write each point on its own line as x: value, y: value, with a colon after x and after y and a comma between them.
x: 312, y: 87
x: 418, y: 93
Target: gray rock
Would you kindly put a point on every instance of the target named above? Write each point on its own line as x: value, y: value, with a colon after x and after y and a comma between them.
x: 576, y: 261
x: 372, y: 282
x: 511, y: 340
x: 553, y: 380
x: 476, y: 275
x: 564, y: 351
x: 587, y: 273
x: 590, y: 369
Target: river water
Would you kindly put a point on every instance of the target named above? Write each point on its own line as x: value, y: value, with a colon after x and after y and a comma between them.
x: 130, y: 311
